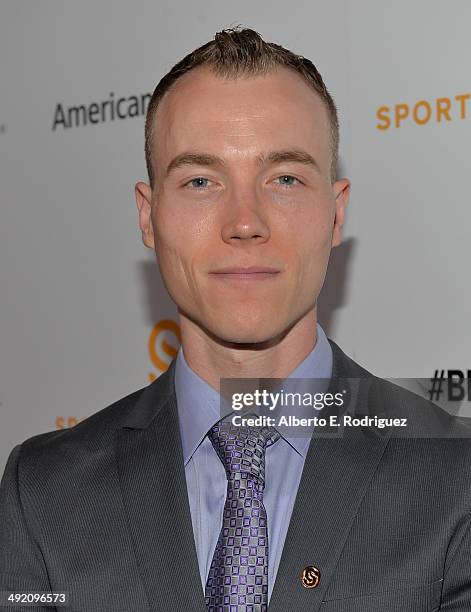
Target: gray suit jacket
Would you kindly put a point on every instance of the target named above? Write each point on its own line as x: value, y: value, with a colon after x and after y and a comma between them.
x: 101, y: 511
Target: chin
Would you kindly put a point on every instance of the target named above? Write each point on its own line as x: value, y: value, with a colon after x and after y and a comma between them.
x: 246, y: 334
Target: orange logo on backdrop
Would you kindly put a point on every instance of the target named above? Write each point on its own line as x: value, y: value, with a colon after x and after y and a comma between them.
x: 157, y: 340
x: 63, y: 422
x: 423, y: 111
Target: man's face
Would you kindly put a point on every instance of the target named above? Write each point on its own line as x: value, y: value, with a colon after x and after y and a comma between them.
x: 275, y: 213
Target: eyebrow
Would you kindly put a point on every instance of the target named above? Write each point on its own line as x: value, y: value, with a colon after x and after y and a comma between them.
x: 195, y: 158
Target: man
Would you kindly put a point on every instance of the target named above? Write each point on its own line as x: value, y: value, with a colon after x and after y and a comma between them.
x: 157, y: 502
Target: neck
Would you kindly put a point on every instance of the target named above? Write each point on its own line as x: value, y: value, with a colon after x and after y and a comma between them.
x: 213, y: 359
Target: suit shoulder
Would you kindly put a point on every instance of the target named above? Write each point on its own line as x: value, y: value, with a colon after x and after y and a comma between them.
x: 92, y: 441
x: 443, y: 439
x: 92, y: 433
x: 427, y: 422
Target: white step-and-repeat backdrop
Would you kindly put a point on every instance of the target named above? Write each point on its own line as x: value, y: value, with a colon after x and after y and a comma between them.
x: 84, y: 318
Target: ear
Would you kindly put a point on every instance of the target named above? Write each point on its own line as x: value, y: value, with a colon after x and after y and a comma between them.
x: 341, y: 190
x: 143, y: 194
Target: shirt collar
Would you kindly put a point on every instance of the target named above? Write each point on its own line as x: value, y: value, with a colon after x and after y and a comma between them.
x: 198, y: 403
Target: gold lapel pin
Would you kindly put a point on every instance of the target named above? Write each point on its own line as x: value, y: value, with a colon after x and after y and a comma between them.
x: 310, y: 577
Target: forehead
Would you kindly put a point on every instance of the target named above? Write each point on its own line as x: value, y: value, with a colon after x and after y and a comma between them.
x: 240, y: 118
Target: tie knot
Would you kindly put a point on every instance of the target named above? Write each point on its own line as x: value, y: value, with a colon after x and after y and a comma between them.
x: 242, y: 449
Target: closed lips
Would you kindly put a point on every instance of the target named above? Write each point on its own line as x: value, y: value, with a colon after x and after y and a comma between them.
x: 249, y: 270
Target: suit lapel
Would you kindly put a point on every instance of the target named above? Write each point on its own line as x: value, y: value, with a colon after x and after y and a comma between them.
x: 336, y: 475
x: 153, y: 485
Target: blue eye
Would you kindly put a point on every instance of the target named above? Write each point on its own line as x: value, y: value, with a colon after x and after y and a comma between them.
x: 288, y: 176
x: 199, y: 178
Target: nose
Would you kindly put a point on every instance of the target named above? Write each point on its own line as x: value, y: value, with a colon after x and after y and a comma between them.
x: 245, y: 220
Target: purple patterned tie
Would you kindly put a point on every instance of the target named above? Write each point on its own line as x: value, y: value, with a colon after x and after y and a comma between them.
x: 238, y: 576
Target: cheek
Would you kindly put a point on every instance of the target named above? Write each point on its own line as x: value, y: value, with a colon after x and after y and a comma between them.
x: 180, y: 242
x: 168, y: 244
x: 177, y: 223
x: 313, y: 245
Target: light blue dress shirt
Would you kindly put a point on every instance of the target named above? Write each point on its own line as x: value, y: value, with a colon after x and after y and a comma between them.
x: 198, y: 410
